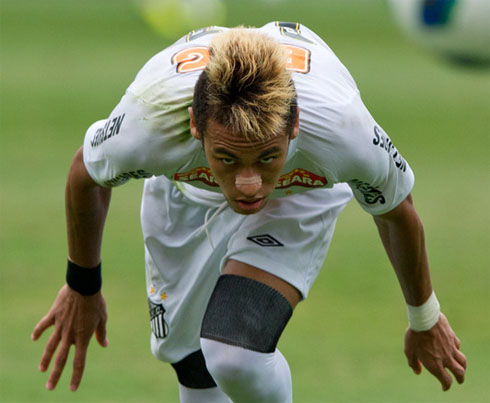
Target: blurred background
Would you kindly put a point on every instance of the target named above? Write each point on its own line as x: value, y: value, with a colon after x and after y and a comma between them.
x: 66, y: 63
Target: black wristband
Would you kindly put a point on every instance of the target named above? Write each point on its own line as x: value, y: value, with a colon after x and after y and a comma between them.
x: 83, y: 280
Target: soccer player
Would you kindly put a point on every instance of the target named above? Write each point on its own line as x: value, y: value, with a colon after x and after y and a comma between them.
x: 251, y: 141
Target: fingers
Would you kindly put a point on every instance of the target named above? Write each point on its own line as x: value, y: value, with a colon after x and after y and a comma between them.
x: 59, y: 365
x: 75, y: 318
x: 458, y: 368
x: 101, y: 334
x: 415, y: 364
x: 458, y: 372
x: 43, y: 324
x: 417, y: 367
x: 458, y: 365
x: 457, y: 342
x: 413, y: 361
x: 78, y: 366
x: 51, y: 346
x: 439, y: 371
x: 460, y: 358
x: 441, y: 374
x: 60, y: 362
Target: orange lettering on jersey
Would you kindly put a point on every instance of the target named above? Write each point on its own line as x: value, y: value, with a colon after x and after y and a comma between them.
x: 298, y: 59
x: 301, y: 177
x: 191, y: 59
x: 202, y: 174
x: 196, y: 58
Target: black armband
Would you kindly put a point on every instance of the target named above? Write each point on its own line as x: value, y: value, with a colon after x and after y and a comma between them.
x: 84, y: 280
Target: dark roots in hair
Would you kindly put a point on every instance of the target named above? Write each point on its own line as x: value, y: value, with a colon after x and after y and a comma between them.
x: 237, y: 97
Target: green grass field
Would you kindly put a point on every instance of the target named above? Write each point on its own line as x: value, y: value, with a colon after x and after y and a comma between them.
x: 66, y: 63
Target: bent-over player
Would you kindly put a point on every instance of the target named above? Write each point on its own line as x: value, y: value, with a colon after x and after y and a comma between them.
x: 251, y: 141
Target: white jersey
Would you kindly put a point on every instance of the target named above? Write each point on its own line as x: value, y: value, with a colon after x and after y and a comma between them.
x: 147, y: 134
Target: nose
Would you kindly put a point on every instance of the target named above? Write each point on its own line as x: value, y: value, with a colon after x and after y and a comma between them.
x: 248, y: 184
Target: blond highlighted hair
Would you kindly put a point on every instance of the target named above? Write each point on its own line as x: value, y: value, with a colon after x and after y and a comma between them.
x: 246, y: 87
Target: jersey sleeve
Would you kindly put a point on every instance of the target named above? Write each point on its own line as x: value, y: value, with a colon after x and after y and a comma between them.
x: 139, y: 140
x: 115, y: 149
x: 350, y: 146
x: 339, y: 134
x: 369, y: 162
x: 148, y: 132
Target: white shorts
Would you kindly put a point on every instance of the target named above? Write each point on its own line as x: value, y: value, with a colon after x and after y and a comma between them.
x: 288, y: 238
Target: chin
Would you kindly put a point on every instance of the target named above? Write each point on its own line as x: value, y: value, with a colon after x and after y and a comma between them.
x: 247, y: 211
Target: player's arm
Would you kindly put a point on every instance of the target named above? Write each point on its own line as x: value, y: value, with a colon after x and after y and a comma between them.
x: 86, y: 205
x: 76, y: 316
x: 437, y: 347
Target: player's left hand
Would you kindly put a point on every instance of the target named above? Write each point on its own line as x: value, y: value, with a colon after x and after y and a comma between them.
x: 436, y: 349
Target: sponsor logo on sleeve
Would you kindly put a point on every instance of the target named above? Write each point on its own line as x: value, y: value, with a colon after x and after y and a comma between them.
x: 124, y: 177
x: 110, y: 129
x: 382, y: 140
x: 370, y: 193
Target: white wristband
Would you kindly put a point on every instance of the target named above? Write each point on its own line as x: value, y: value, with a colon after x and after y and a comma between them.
x: 425, y: 316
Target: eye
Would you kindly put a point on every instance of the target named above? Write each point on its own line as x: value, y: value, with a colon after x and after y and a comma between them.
x: 267, y: 160
x: 227, y: 161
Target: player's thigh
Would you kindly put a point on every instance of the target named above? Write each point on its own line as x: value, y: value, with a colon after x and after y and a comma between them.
x: 182, y: 265
x: 238, y: 268
x: 290, y: 237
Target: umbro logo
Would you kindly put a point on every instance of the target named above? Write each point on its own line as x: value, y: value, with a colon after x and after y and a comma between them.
x: 265, y: 240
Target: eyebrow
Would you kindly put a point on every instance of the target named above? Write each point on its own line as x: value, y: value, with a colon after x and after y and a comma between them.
x: 222, y: 150
x: 272, y: 150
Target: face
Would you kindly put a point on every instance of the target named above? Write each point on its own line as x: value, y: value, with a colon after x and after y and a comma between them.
x: 246, y: 170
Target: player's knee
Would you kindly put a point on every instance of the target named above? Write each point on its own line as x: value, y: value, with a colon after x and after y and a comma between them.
x: 229, y: 366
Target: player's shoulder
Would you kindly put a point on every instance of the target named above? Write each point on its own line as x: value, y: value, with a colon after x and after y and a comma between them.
x: 304, y: 46
x: 176, y: 67
x: 293, y: 32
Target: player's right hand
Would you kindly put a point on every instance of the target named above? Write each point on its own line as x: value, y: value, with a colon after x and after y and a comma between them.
x: 75, y: 319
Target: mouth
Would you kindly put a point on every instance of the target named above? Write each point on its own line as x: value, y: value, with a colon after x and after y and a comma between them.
x: 250, y: 205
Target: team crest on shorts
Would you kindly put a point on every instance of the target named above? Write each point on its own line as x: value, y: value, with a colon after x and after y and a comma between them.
x: 158, y: 325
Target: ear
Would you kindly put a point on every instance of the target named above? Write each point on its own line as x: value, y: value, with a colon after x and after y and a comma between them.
x: 194, y: 132
x: 296, y: 126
